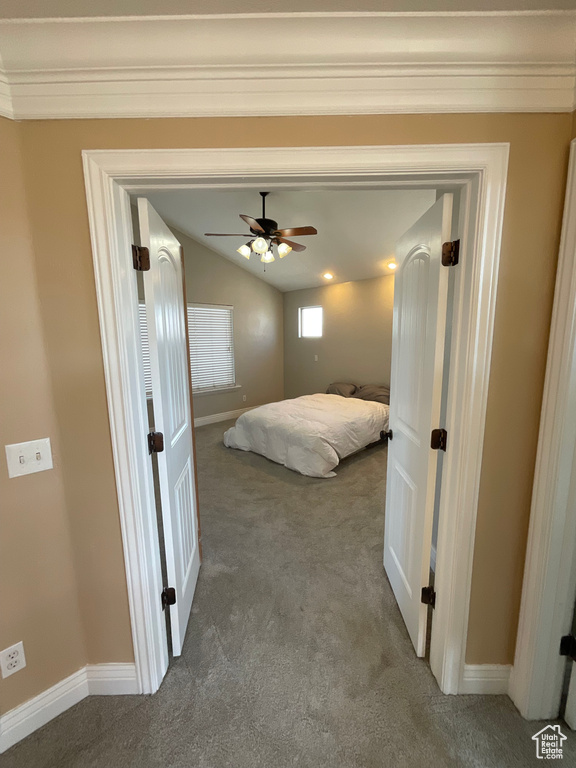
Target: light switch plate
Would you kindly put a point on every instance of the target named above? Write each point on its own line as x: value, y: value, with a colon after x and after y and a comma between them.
x: 25, y: 458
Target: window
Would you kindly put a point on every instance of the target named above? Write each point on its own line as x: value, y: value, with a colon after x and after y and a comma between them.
x: 211, y: 331
x: 211, y: 335
x: 310, y: 322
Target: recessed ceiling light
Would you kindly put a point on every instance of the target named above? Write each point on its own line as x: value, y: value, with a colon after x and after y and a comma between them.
x: 328, y: 275
x: 392, y: 265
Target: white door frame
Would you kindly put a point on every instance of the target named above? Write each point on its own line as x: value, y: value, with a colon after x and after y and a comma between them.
x: 478, y: 170
x: 550, y: 571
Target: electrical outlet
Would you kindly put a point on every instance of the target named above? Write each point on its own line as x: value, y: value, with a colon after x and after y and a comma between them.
x: 12, y: 659
x: 243, y: 398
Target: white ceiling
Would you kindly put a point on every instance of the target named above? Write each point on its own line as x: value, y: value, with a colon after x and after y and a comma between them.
x: 357, y: 230
x: 20, y: 9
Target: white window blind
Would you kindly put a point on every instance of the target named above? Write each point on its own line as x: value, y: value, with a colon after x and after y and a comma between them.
x: 211, y: 335
x: 211, y: 332
x: 145, y: 348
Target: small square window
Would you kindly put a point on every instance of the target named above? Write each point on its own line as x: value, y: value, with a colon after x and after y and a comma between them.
x: 310, y: 322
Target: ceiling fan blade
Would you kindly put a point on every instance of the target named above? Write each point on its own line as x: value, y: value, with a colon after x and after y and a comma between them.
x: 216, y: 234
x: 295, y: 246
x: 252, y: 223
x: 297, y: 231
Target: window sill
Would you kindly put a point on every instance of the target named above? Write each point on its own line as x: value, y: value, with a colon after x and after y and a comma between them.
x: 215, y: 391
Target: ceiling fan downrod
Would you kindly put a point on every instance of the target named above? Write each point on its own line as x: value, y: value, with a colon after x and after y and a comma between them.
x: 264, y: 196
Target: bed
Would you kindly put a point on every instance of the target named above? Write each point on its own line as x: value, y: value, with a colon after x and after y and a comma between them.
x: 310, y: 434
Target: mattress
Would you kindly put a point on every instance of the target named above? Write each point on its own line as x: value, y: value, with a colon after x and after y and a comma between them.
x: 309, y: 434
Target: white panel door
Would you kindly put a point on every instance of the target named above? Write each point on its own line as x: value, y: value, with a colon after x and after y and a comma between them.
x: 171, y: 392
x: 420, y: 296
x: 570, y: 708
x: 570, y: 711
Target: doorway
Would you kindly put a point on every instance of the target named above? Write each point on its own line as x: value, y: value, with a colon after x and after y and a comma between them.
x: 477, y: 171
x: 234, y: 303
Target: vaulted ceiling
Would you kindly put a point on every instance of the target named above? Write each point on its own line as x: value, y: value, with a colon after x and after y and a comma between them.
x: 357, y: 230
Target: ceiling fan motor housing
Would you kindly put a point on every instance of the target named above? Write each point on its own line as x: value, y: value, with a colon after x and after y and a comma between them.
x: 268, y: 225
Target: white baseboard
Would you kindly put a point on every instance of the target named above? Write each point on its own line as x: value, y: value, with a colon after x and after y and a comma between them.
x: 95, y: 679
x: 202, y: 420
x: 28, y: 717
x: 112, y: 679
x: 485, y: 678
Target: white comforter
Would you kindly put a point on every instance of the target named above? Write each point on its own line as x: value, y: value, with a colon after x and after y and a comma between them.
x: 309, y: 434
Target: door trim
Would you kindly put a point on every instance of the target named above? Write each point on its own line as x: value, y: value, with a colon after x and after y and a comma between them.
x: 550, y: 572
x: 477, y: 170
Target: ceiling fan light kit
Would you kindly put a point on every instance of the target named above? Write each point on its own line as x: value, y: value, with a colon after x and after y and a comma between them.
x: 260, y: 245
x: 265, y: 234
x: 245, y: 250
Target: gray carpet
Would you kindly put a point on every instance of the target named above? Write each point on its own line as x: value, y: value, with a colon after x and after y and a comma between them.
x: 296, y: 654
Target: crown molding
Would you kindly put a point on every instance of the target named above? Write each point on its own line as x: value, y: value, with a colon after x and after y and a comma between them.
x: 287, y: 64
x: 6, y: 109
x: 200, y: 13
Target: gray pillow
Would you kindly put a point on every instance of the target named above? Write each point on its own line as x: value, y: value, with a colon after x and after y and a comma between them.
x: 338, y: 388
x: 377, y: 392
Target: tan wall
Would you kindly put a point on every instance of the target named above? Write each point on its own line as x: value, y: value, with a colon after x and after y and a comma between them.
x: 38, y: 589
x: 67, y: 305
x: 356, y: 343
x: 258, y: 327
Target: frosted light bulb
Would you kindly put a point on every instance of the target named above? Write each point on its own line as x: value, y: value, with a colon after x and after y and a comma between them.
x: 267, y: 257
x: 245, y: 251
x: 328, y: 275
x: 259, y: 245
x: 392, y: 265
x: 284, y: 249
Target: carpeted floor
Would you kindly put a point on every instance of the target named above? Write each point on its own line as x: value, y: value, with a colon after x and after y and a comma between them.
x: 296, y: 654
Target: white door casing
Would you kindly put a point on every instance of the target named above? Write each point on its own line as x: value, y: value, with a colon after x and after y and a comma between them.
x: 419, y: 329
x: 478, y: 170
x: 168, y: 344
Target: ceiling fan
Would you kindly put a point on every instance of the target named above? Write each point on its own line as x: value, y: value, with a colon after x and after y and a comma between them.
x: 264, y: 233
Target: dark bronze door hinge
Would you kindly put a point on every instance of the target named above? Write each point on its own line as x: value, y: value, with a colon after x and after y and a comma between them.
x: 568, y: 647
x: 386, y: 435
x: 450, y: 253
x: 140, y: 258
x: 155, y: 442
x: 168, y: 597
x: 438, y: 439
x: 428, y: 596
